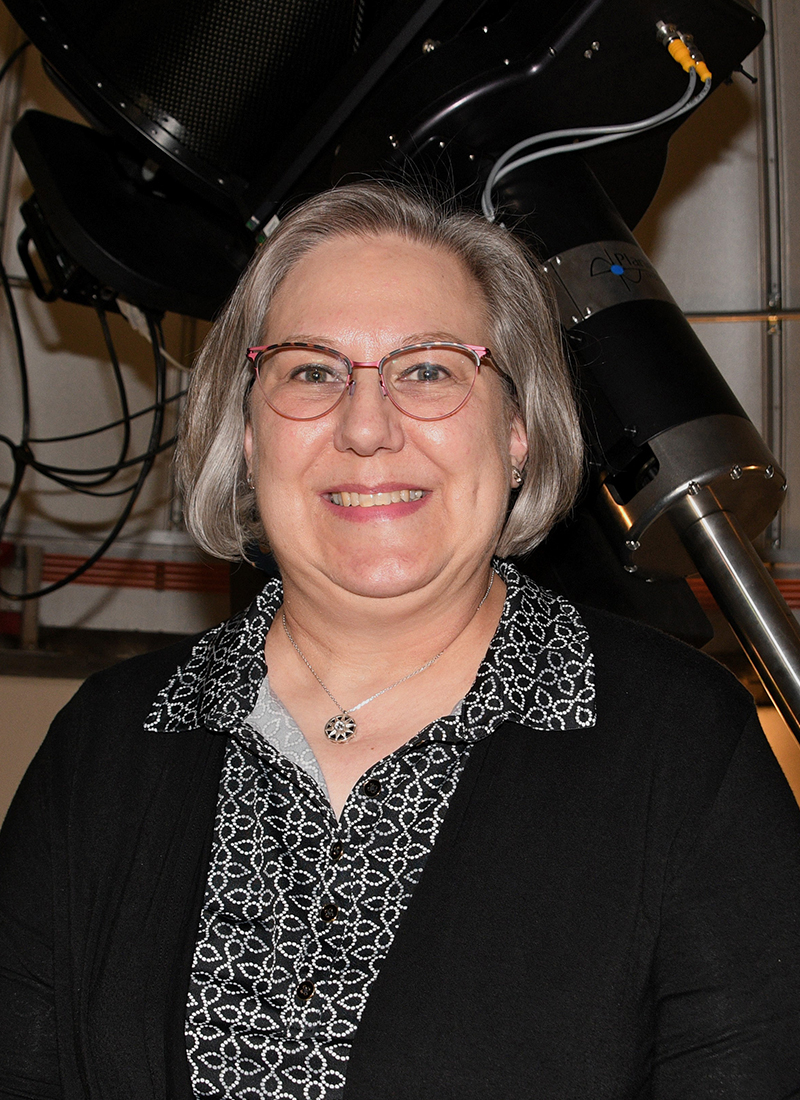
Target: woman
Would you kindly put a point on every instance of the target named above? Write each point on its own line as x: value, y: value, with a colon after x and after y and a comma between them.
x: 456, y: 839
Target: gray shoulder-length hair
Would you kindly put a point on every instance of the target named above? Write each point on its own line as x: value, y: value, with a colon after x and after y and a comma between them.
x: 219, y: 507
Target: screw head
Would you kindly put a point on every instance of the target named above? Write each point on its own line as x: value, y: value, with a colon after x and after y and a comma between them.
x: 632, y: 544
x: 769, y: 472
x: 736, y: 472
x: 429, y: 45
x: 694, y: 488
x: 631, y: 568
x: 393, y: 141
x: 588, y: 55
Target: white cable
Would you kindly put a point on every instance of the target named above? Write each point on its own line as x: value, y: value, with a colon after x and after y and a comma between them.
x: 502, y: 167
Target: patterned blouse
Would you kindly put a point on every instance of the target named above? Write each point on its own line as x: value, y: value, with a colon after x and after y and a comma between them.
x: 300, y: 908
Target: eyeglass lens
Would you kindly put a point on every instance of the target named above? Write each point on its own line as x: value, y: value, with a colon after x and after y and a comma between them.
x: 427, y: 383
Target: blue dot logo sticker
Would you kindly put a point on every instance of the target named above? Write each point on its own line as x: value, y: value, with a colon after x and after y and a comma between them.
x: 617, y: 269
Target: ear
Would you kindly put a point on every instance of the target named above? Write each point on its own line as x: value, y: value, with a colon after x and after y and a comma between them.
x: 249, y: 444
x: 518, y: 443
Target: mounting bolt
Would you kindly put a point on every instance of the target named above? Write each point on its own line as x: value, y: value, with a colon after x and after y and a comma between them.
x: 769, y: 472
x: 588, y: 55
x: 694, y: 488
x: 631, y: 568
x: 736, y: 472
x: 595, y: 46
x: 632, y: 544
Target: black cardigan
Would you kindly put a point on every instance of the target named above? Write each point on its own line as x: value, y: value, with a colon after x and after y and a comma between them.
x: 612, y: 912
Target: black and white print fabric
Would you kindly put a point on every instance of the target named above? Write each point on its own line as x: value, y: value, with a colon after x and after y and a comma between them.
x: 301, y: 909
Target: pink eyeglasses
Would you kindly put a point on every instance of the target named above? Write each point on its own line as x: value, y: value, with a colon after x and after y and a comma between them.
x: 428, y: 381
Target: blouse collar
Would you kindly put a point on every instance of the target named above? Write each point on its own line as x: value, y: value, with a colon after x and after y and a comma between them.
x: 538, y: 670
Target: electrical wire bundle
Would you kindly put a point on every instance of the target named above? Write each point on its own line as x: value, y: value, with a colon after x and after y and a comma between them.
x: 88, y: 481
x: 681, y: 48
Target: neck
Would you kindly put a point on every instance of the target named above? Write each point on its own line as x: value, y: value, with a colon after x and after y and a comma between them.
x: 360, y: 641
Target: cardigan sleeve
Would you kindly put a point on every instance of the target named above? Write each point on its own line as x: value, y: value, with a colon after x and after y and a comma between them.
x: 727, y: 970
x: 29, y: 1063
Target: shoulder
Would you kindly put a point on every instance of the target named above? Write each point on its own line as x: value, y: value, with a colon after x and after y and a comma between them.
x: 130, y: 687
x: 630, y: 652
x: 662, y: 692
x: 106, y: 719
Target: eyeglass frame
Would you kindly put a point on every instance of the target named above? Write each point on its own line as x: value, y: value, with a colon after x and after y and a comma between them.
x: 482, y: 355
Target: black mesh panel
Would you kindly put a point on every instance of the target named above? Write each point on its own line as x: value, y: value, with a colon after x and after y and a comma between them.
x: 226, y: 79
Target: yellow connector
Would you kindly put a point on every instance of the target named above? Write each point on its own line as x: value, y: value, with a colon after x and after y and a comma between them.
x: 680, y: 52
x: 683, y: 49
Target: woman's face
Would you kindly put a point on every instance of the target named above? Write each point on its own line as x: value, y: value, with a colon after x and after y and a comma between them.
x: 367, y: 297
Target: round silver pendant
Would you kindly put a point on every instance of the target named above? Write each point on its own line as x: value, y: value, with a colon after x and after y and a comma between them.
x: 340, y: 728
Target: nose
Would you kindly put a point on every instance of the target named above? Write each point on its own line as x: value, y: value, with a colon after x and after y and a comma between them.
x: 367, y: 421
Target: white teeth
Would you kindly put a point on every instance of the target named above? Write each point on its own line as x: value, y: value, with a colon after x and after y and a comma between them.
x: 374, y: 500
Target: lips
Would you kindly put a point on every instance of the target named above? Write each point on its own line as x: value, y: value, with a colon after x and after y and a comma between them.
x: 374, y: 500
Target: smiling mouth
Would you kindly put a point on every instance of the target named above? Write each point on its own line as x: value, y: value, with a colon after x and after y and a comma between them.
x: 374, y: 500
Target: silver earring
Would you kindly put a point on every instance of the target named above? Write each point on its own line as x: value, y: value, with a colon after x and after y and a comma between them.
x: 250, y: 482
x: 518, y: 477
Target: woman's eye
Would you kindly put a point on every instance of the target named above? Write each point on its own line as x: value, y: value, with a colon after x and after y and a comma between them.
x: 314, y: 374
x: 425, y: 372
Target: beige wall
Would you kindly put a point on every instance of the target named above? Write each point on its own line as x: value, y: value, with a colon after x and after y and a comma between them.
x: 28, y: 705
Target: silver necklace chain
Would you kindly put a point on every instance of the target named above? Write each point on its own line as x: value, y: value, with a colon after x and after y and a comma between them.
x: 342, y: 727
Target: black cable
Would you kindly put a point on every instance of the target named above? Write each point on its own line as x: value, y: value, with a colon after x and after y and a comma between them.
x: 106, y: 427
x: 13, y: 57
x: 23, y: 457
x: 76, y: 486
x: 110, y: 471
x: 123, y: 396
x: 20, y: 451
x: 147, y: 464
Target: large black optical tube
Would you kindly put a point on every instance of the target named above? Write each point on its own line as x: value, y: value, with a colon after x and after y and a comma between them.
x: 684, y: 480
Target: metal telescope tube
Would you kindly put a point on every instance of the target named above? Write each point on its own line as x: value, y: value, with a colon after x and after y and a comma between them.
x: 736, y: 577
x: 684, y: 480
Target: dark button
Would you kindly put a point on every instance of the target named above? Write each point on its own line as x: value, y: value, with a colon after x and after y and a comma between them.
x: 337, y: 848
x: 329, y: 912
x: 305, y: 991
x: 371, y: 787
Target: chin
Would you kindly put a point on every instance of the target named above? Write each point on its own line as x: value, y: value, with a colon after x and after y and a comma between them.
x: 384, y: 577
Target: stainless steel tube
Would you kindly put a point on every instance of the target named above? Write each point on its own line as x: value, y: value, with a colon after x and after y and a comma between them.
x: 749, y: 598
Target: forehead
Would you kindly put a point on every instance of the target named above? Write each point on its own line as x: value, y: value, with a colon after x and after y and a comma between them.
x: 358, y: 284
